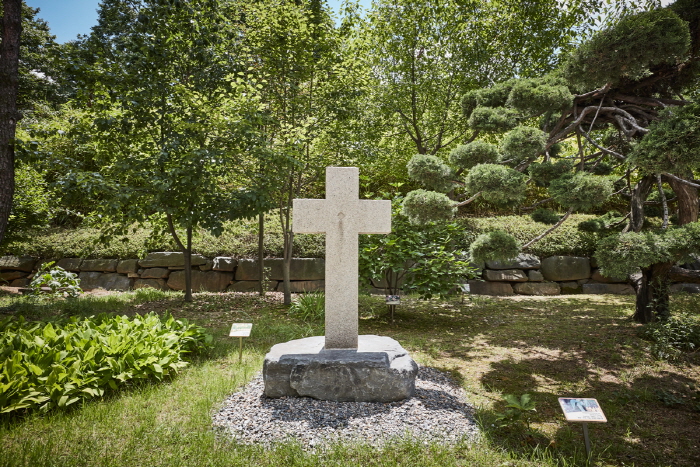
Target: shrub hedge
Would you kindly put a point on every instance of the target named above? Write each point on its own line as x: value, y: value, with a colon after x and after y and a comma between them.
x: 240, y: 239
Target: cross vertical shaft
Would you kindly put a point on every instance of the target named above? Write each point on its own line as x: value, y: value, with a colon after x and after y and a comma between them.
x: 341, y: 216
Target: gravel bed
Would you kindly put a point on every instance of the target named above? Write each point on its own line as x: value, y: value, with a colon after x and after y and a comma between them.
x: 437, y: 412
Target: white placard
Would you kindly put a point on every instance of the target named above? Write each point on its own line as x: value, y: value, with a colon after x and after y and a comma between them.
x: 578, y: 409
x: 240, y: 329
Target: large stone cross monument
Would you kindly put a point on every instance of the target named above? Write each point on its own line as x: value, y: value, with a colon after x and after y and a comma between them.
x: 341, y: 216
x: 343, y: 366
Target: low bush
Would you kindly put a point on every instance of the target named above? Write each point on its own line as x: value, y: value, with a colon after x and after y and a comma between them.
x: 45, y: 365
x: 309, y: 307
x: 680, y: 333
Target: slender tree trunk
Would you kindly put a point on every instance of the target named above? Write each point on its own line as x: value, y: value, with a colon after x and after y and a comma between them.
x: 9, y: 75
x: 688, y: 202
x: 653, y: 293
x: 188, y: 265
x: 653, y: 287
x: 261, y: 254
x: 639, y: 195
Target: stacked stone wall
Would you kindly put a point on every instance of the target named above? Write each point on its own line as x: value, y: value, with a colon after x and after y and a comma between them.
x: 526, y: 275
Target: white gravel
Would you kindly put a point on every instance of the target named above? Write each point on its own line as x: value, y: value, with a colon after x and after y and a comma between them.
x: 437, y: 412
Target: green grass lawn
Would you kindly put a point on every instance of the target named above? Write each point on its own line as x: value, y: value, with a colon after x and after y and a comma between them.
x: 548, y: 347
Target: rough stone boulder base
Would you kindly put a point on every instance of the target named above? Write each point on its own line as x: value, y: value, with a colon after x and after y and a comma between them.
x: 209, y: 281
x: 534, y: 276
x: 17, y: 263
x: 166, y: 259
x: 522, y: 261
x: 565, y: 268
x: 380, y: 370
x: 90, y: 280
x: 686, y: 287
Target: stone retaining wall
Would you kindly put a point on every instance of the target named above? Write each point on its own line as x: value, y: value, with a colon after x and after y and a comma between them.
x: 165, y: 271
x: 526, y: 275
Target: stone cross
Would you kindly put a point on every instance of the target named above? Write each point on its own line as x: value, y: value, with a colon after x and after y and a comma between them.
x: 341, y: 216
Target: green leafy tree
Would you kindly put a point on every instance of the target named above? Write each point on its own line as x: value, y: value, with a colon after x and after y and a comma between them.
x: 592, y: 128
x: 175, y: 121
x: 297, y: 54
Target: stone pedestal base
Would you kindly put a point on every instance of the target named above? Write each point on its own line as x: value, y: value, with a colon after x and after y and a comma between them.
x: 379, y: 370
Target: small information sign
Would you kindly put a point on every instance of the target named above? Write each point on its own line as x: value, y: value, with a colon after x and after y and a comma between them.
x: 582, y: 410
x: 240, y: 329
x: 393, y: 300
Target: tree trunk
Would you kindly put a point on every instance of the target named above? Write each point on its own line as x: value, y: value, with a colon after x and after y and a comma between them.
x: 188, y: 265
x: 639, y: 195
x: 261, y: 254
x: 286, y: 265
x: 688, y: 202
x: 9, y: 75
x: 652, y: 294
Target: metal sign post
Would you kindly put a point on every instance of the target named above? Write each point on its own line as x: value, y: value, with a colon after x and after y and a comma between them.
x: 240, y: 330
x: 583, y: 410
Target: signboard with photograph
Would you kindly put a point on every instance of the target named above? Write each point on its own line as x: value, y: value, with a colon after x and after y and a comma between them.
x: 582, y: 410
x: 240, y: 329
x: 393, y: 300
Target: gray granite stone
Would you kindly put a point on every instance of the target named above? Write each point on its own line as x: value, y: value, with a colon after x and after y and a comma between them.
x: 70, y: 264
x: 615, y: 289
x: 17, y: 263
x: 534, y: 275
x: 522, y: 261
x: 128, y: 266
x: 566, y: 268
x: 572, y: 287
x: 90, y: 280
x: 537, y: 288
x: 224, y: 263
x: 209, y: 281
x: 505, y: 275
x: 378, y: 370
x: 164, y: 259
x: 208, y: 266
x: 155, y: 273
x: 490, y: 288
x: 675, y: 288
x: 9, y: 276
x: 101, y: 265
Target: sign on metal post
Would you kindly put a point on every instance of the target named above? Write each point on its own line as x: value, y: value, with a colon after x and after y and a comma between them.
x: 582, y: 410
x: 240, y: 330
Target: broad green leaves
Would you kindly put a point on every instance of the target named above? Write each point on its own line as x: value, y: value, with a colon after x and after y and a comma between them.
x: 43, y: 366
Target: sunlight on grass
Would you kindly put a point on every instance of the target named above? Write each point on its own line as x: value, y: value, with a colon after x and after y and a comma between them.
x: 548, y: 348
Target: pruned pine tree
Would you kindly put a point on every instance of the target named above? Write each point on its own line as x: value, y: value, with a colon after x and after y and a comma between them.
x: 614, y: 119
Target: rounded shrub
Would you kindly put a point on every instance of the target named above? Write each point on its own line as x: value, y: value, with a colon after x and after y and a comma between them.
x: 493, y: 119
x: 498, y: 184
x: 494, y: 245
x: 468, y: 155
x: 543, y: 173
x: 523, y: 143
x: 431, y: 171
x: 582, y: 191
x: 534, y: 96
x: 545, y: 216
x: 422, y: 206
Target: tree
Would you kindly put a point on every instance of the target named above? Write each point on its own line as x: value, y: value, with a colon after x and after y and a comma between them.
x: 297, y: 53
x: 424, y: 55
x: 9, y: 74
x: 590, y: 129
x: 176, y: 119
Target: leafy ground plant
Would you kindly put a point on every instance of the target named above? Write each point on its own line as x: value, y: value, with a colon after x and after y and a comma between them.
x: 57, y: 280
x: 47, y: 365
x: 671, y: 338
x: 309, y: 307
